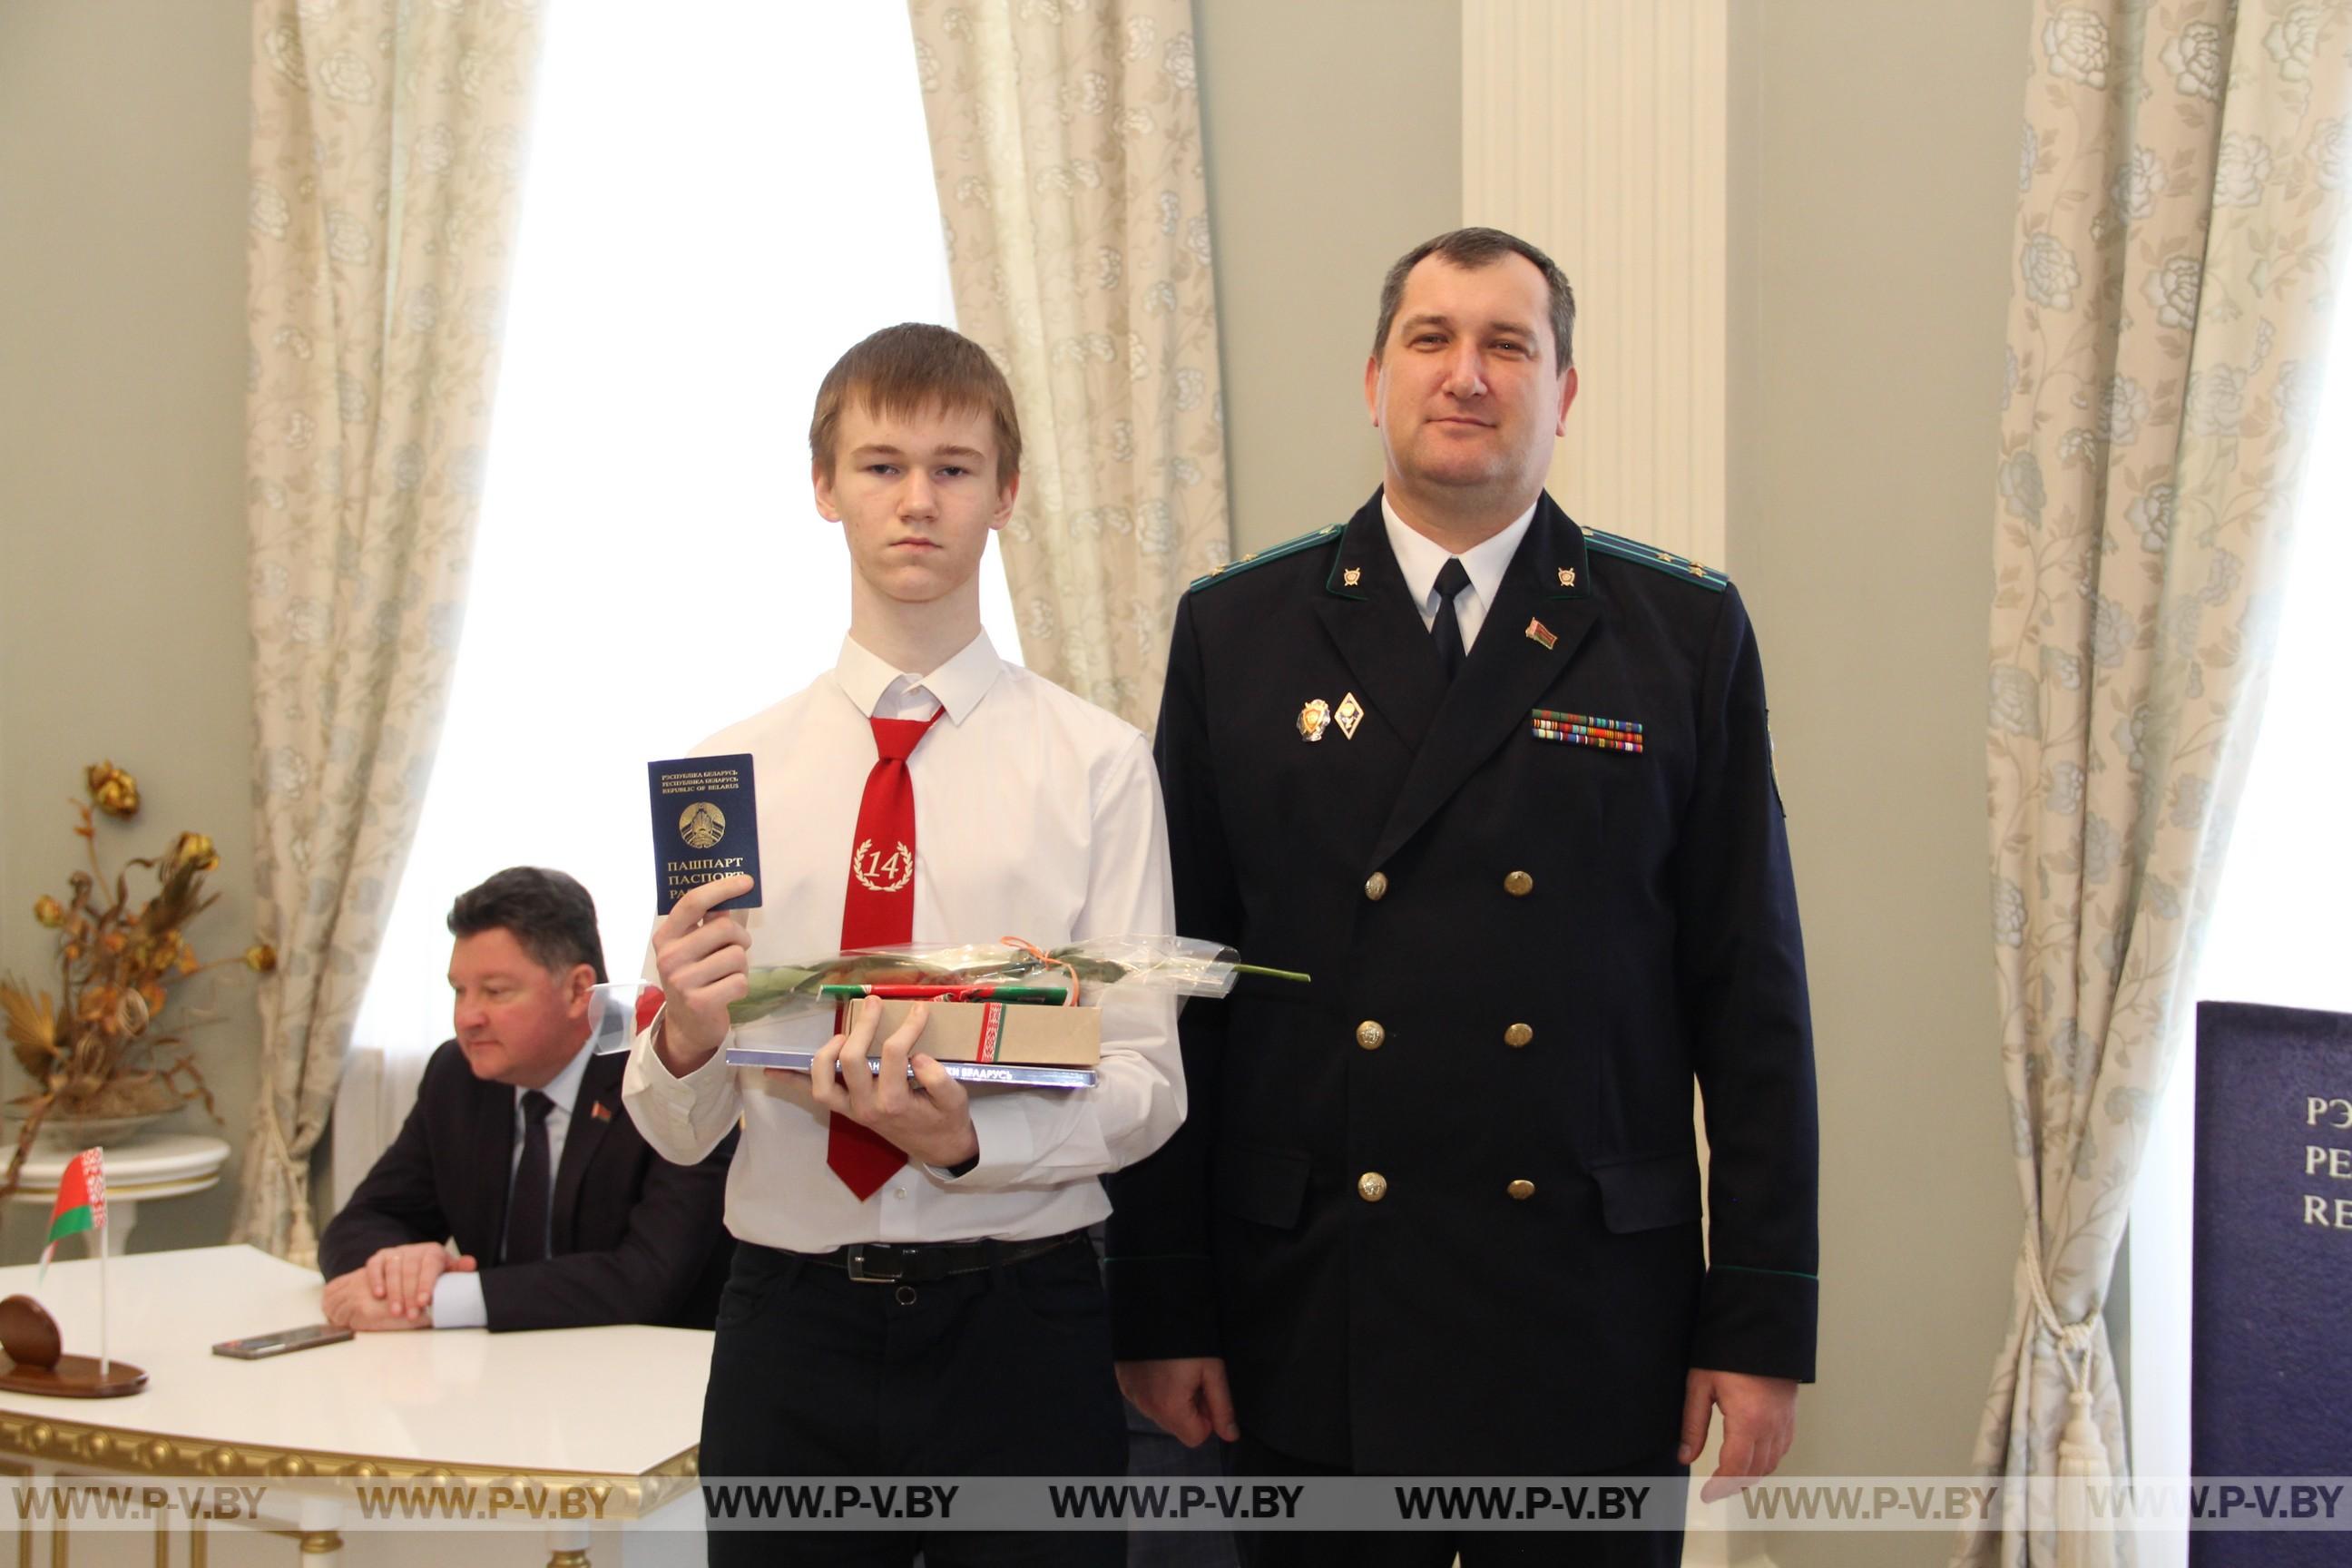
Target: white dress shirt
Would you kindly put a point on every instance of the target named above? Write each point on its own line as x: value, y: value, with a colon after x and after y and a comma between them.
x: 458, y: 1298
x: 1421, y: 558
x: 1037, y: 816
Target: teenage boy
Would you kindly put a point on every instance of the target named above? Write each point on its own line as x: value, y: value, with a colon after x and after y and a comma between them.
x: 914, y: 1292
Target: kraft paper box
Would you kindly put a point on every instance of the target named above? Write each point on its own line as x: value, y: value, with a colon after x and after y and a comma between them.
x: 1024, y: 1035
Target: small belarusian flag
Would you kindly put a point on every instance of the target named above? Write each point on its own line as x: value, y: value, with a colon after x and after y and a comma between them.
x: 81, y: 1204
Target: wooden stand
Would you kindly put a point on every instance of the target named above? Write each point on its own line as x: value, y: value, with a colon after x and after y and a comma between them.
x: 39, y: 1365
x: 75, y: 1377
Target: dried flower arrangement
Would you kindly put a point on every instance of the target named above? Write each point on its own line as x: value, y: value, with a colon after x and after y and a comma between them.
x: 100, y: 1049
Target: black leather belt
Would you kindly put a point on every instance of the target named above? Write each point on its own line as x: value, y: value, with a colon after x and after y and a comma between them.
x: 919, y: 1262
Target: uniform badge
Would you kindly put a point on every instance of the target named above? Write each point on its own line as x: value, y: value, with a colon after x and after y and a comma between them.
x: 1539, y: 633
x: 1568, y: 576
x: 1350, y: 714
x: 1585, y: 730
x: 1314, y: 719
x: 1353, y: 576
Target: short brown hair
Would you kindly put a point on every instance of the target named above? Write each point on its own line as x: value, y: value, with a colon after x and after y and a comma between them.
x: 912, y: 368
x: 549, y: 914
x: 1470, y: 249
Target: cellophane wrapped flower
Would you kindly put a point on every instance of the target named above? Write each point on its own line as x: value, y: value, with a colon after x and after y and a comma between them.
x: 1168, y: 965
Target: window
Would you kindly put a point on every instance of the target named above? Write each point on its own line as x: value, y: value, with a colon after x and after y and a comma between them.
x: 2278, y: 926
x: 720, y: 201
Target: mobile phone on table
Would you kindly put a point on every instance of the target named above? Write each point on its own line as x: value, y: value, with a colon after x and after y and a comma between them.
x: 260, y: 1347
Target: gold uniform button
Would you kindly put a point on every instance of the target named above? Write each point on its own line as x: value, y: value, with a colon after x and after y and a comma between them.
x: 1519, y: 884
x: 1370, y: 1035
x: 1371, y: 1186
x: 1521, y: 1189
x: 1376, y: 886
x: 1517, y: 1034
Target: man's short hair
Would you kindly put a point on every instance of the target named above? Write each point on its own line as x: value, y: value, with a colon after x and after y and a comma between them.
x: 549, y: 916
x: 1470, y: 249
x: 914, y: 368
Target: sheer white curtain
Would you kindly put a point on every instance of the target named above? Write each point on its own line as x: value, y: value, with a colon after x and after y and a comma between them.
x: 2278, y: 926
x: 723, y: 196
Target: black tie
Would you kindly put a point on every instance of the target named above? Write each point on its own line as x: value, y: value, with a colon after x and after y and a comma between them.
x: 1447, y: 629
x: 527, y: 1214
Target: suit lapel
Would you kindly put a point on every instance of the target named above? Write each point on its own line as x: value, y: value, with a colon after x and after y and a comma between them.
x: 600, y: 1085
x: 1546, y: 589
x: 1369, y: 613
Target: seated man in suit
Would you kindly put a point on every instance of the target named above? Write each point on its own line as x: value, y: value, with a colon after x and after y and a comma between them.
x: 518, y: 1150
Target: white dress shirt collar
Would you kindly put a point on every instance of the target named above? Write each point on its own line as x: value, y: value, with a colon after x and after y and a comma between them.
x: 958, y: 685
x: 564, y: 1087
x: 1421, y: 558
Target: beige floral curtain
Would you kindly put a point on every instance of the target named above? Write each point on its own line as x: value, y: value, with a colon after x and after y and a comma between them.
x: 387, y: 153
x: 2179, y: 187
x: 1067, y: 139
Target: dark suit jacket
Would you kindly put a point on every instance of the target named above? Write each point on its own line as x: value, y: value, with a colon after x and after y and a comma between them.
x: 1523, y: 953
x: 636, y: 1239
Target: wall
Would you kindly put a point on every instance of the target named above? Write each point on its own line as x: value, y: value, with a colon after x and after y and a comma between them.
x: 1873, y: 188
x: 1595, y: 129
x: 121, y: 483
x: 1333, y: 130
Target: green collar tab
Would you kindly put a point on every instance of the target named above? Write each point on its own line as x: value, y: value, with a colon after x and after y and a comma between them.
x: 1272, y: 552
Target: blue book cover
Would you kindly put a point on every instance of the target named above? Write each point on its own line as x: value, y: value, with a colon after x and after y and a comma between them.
x: 706, y: 827
x: 2270, y: 1358
x: 1011, y: 1073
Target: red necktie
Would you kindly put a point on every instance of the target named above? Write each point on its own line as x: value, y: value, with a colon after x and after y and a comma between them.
x: 879, y: 911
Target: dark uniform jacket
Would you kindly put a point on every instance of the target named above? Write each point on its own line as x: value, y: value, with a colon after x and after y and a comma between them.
x: 635, y: 1239
x: 1439, y: 1210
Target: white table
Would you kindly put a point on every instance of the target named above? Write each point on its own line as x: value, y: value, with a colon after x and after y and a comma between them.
x: 617, y: 1408
x: 166, y: 1165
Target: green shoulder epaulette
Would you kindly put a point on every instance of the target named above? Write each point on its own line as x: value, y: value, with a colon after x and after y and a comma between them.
x: 1657, y: 560
x: 1233, y: 569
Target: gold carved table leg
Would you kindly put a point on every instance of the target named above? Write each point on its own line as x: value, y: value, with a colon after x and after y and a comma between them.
x: 567, y: 1547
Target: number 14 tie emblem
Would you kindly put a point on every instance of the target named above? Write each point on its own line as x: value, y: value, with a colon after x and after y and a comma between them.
x: 878, y: 873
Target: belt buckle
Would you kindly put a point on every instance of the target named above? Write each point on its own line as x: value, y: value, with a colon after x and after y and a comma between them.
x: 866, y: 1268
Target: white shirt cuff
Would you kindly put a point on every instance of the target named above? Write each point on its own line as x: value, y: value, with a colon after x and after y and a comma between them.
x: 683, y: 1117
x: 457, y: 1301
x: 1007, y: 1144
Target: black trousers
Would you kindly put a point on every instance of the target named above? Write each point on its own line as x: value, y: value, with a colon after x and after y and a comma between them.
x: 1006, y: 1371
x: 1438, y: 1548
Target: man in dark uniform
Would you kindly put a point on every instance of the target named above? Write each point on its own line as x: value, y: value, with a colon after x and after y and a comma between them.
x: 1503, y: 786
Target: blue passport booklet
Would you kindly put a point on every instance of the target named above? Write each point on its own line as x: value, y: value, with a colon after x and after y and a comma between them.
x: 706, y: 827
x: 2269, y: 1378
